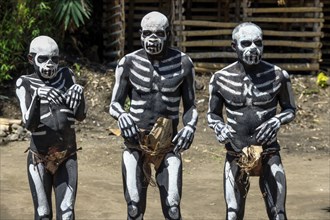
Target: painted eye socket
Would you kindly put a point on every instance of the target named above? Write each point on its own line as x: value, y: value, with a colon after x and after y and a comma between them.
x: 159, y: 33
x: 258, y: 43
x: 246, y: 43
x: 42, y: 59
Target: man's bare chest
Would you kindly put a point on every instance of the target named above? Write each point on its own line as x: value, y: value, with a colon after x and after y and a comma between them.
x: 245, y: 92
x: 156, y: 78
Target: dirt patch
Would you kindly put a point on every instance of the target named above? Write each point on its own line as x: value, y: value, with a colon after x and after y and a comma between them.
x: 305, y: 151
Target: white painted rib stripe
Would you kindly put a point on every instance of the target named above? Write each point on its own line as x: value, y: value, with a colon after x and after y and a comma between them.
x: 230, y: 81
x: 140, y: 66
x: 136, y: 111
x: 173, y: 109
x: 170, y: 67
x: 137, y: 75
x: 226, y: 88
x: 138, y: 102
x: 234, y: 112
x: 171, y: 99
x: 66, y: 110
x: 45, y: 115
x: 172, y: 58
x: 144, y: 89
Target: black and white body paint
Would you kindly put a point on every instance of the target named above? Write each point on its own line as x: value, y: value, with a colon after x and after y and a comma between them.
x: 247, y: 41
x: 51, y: 102
x: 46, y: 57
x: 155, y: 79
x: 154, y: 33
x: 251, y: 91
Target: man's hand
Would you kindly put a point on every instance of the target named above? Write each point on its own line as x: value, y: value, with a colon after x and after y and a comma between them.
x: 183, y: 139
x: 223, y: 132
x: 268, y: 130
x: 53, y: 95
x: 73, y: 96
x: 127, y: 126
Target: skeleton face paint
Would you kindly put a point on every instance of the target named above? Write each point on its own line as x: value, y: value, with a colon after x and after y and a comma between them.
x: 249, y: 46
x: 153, y: 32
x: 46, y: 57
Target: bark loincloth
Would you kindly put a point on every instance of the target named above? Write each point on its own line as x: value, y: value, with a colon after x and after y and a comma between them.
x: 53, y: 159
x: 250, y: 160
x: 155, y: 145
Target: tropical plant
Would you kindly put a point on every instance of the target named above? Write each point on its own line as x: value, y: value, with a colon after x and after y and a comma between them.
x: 20, y: 22
x: 23, y: 20
x: 71, y: 14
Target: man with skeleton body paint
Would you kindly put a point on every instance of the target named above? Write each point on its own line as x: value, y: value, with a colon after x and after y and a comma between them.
x: 155, y: 79
x: 50, y: 102
x: 250, y: 90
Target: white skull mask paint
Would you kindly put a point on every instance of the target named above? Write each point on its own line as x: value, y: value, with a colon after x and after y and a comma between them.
x: 46, y: 56
x: 153, y: 32
x: 249, y: 46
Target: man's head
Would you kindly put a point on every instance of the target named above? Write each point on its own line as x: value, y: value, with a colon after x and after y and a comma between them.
x: 154, y: 33
x: 44, y: 55
x: 247, y: 42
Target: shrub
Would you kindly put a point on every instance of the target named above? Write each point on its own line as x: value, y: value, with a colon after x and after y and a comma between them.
x: 21, y: 21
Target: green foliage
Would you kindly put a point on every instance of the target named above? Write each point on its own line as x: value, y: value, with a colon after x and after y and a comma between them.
x: 21, y: 21
x: 127, y: 104
x: 76, y: 68
x: 72, y: 14
x: 322, y: 80
x: 311, y: 91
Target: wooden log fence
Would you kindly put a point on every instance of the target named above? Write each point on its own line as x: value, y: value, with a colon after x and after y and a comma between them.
x: 297, y: 33
x: 213, y: 67
x: 206, y: 55
x: 201, y: 33
x: 325, y: 64
x: 285, y: 20
x: 283, y: 10
x: 224, y: 43
x: 114, y: 20
x: 208, y: 43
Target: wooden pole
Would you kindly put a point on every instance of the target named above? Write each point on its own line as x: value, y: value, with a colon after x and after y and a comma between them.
x: 284, y: 10
x: 224, y: 43
x: 316, y: 27
x: 130, y: 21
x: 208, y: 55
x: 212, y: 67
x: 265, y: 33
x: 286, y: 20
x: 10, y: 121
x: 206, y: 23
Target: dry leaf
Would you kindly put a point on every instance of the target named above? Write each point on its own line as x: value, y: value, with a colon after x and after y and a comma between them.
x: 115, y: 131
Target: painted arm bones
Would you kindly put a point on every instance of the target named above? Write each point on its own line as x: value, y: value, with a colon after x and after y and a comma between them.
x: 126, y: 124
x: 185, y: 136
x: 73, y: 99
x: 215, y: 119
x: 268, y: 130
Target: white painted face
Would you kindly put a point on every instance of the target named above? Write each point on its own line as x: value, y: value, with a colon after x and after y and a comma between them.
x: 153, y: 32
x: 249, y: 46
x: 47, y: 56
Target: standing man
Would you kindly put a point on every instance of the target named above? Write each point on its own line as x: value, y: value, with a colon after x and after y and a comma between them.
x: 50, y: 102
x: 155, y: 79
x: 250, y: 91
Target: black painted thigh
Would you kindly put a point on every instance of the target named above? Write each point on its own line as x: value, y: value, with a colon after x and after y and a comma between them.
x: 273, y: 186
x: 65, y: 183
x: 40, y: 183
x: 236, y: 188
x: 135, y: 183
x: 169, y: 181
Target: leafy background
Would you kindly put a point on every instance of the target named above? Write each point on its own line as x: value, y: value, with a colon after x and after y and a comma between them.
x: 21, y: 21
